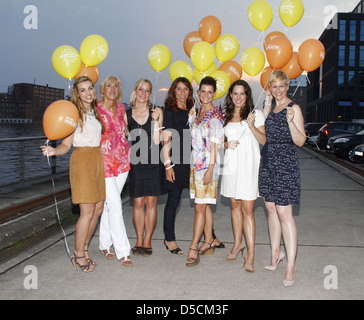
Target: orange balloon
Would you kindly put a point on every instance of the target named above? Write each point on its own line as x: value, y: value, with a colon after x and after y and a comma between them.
x: 60, y: 119
x: 279, y: 52
x: 210, y: 29
x: 292, y: 68
x: 311, y: 54
x: 190, y: 40
x: 271, y: 36
x: 233, y: 70
x: 92, y: 72
x: 264, y: 76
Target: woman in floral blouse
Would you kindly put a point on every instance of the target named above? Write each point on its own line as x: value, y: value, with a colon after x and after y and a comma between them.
x: 206, y: 137
x: 115, y: 152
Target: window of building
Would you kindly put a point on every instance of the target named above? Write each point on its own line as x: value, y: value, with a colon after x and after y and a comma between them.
x: 361, y: 78
x: 352, y: 35
x: 361, y: 30
x: 351, y: 56
x: 361, y: 56
x: 341, y: 55
x: 340, y: 77
x: 351, y: 78
x: 342, y: 30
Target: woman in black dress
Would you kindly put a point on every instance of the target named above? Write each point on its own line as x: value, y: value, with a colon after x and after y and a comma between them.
x: 176, y: 153
x: 279, y: 175
x: 144, y: 125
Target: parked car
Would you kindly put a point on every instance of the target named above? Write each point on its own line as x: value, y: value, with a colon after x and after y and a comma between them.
x: 334, y: 128
x: 359, y: 153
x: 311, y: 130
x: 343, y: 145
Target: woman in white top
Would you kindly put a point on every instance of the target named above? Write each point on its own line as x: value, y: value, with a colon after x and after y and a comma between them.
x: 244, y: 131
x: 87, y: 176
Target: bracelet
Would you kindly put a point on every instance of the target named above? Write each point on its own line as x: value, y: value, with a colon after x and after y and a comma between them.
x: 156, y: 129
x: 170, y: 167
x: 267, y: 104
x: 168, y: 161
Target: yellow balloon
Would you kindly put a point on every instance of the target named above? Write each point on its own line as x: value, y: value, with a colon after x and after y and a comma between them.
x: 202, y: 55
x: 159, y: 57
x: 260, y: 14
x: 94, y: 49
x: 180, y: 69
x: 226, y: 47
x: 222, y: 83
x: 291, y: 12
x: 200, y: 75
x: 252, y: 61
x: 66, y: 61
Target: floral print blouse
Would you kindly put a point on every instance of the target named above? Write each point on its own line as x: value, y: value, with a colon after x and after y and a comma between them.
x: 114, y: 145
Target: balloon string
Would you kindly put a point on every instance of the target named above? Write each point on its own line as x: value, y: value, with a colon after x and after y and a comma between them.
x: 299, y: 84
x: 308, y: 80
x: 56, y: 204
x: 260, y: 35
x: 155, y: 91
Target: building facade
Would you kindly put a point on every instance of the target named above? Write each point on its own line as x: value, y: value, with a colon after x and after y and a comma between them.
x: 26, y: 102
x: 336, y: 89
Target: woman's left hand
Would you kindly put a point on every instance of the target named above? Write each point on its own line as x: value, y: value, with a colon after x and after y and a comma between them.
x: 290, y: 114
x: 207, y: 177
x: 156, y: 114
x: 250, y: 120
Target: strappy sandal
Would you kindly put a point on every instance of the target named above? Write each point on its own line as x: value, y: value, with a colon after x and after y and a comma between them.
x: 193, y: 261
x: 126, y: 261
x: 84, y: 268
x: 108, y: 254
x: 210, y: 250
x: 89, y: 260
x: 174, y: 251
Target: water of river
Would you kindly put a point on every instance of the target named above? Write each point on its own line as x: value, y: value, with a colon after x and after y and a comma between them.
x: 23, y: 161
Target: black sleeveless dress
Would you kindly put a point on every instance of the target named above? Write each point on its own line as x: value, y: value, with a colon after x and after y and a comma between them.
x: 144, y: 175
x: 279, y: 173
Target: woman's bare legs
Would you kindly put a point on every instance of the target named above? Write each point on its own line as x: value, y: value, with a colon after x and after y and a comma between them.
x: 237, y: 223
x: 139, y: 219
x: 150, y: 220
x: 249, y: 229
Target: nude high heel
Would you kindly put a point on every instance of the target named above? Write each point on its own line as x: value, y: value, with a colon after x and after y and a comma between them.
x: 280, y: 258
x: 248, y: 267
x: 290, y: 283
x: 232, y: 256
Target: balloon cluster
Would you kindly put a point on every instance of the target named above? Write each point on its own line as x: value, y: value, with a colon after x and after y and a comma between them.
x: 68, y: 63
x: 278, y: 48
x: 198, y: 47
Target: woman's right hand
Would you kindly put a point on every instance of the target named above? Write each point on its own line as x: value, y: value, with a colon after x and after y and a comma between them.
x: 233, y: 144
x: 268, y: 98
x: 48, y: 151
x: 192, y: 115
x: 170, y: 176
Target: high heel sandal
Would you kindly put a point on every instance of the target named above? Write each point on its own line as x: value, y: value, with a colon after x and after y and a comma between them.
x: 84, y: 268
x: 210, y: 250
x: 174, y: 251
x: 193, y: 261
x: 232, y: 256
x: 126, y: 261
x: 248, y: 267
x: 290, y: 283
x: 89, y: 260
x: 280, y: 258
x: 108, y: 254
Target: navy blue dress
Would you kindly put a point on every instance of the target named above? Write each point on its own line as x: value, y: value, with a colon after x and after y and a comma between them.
x: 279, y: 173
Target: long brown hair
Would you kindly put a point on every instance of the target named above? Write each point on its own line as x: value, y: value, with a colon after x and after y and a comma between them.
x: 75, y: 99
x: 171, y: 100
x: 230, y: 107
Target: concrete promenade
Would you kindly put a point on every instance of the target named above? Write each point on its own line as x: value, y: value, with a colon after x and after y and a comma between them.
x: 330, y: 223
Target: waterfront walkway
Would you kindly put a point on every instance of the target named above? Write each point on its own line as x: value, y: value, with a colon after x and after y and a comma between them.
x: 330, y: 261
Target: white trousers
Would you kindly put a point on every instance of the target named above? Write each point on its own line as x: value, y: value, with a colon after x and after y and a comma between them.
x: 112, y: 227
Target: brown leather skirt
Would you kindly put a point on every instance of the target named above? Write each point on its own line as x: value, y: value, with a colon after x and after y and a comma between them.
x: 87, y: 177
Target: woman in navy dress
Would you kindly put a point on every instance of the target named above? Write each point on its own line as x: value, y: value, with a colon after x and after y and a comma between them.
x: 279, y: 175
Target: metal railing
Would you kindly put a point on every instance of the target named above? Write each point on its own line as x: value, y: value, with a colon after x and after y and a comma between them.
x: 21, y: 161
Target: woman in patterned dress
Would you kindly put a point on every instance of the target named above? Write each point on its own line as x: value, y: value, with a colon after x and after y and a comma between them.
x: 279, y: 175
x: 206, y: 137
x: 115, y: 152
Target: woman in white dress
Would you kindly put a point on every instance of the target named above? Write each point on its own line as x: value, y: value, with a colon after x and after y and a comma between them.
x: 244, y: 131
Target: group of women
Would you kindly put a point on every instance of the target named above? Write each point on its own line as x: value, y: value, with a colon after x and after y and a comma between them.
x: 102, y: 159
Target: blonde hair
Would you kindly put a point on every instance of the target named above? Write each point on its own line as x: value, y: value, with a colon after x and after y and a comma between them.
x: 136, y: 88
x: 82, y: 111
x: 278, y: 75
x: 105, y: 82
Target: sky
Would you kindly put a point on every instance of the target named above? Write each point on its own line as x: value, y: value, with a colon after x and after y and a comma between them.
x: 131, y: 29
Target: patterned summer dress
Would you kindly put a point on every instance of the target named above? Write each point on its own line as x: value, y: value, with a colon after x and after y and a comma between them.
x: 208, y: 129
x: 279, y: 173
